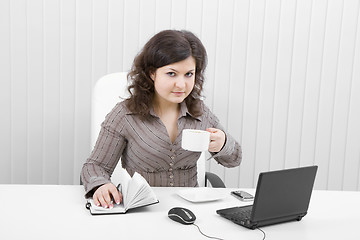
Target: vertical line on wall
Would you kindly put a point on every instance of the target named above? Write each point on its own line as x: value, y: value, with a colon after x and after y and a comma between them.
x: 187, y: 14
x: 334, y: 94
x: 202, y: 18
x: 139, y: 26
x: 254, y: 179
x: 11, y: 93
x: 75, y: 175
x: 92, y: 46
x: 350, y: 95
x: 43, y: 90
x: 231, y: 59
x: 75, y: 85
x: 10, y: 90
x: 274, y: 87
x: 244, y: 77
x: 107, y: 36
x: 290, y: 84
x: 216, y: 42
x: 289, y: 88
x: 352, y: 78
x: 155, y: 14
x: 347, y: 122
x: 27, y: 93
x: 321, y: 75
x: 61, y: 92
x: 171, y: 9
x: 123, y: 37
x: 304, y: 89
x: 214, y: 77
x: 229, y: 80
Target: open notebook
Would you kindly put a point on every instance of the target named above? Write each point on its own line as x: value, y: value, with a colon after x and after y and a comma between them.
x: 136, y: 193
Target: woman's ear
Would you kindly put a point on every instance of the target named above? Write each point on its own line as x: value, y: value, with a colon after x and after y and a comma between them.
x: 152, y: 75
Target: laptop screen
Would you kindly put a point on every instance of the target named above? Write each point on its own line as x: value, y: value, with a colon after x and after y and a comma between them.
x: 283, y: 193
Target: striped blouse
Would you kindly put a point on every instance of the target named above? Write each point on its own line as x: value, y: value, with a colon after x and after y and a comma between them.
x: 145, y: 147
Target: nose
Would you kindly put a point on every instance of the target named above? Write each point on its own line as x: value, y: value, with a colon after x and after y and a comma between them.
x: 180, y: 82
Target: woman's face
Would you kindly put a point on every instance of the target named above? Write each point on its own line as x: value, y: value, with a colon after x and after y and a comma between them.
x: 174, y: 82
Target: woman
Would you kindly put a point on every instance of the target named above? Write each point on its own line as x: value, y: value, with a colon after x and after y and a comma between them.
x: 167, y: 78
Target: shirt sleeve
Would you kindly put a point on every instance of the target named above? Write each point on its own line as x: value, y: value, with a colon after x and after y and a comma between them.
x: 231, y: 153
x: 102, y: 161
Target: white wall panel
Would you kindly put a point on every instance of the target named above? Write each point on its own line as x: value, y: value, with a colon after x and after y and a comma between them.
x: 313, y: 140
x: 282, y: 77
x: 83, y: 83
x: 67, y: 91
x: 115, y: 35
x: 237, y: 85
x: 5, y: 92
x: 19, y: 83
x: 35, y: 92
x: 266, y: 88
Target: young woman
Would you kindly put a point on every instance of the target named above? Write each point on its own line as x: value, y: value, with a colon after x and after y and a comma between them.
x: 145, y: 130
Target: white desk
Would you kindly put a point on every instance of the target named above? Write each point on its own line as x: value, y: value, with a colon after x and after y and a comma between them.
x: 58, y: 212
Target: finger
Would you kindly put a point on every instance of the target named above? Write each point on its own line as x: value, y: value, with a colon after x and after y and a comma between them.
x: 116, y: 195
x: 107, y: 198
x: 212, y: 130
x: 212, y: 146
x: 102, y: 201
x: 96, y: 200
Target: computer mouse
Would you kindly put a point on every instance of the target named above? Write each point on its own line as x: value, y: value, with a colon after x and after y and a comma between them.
x: 182, y: 215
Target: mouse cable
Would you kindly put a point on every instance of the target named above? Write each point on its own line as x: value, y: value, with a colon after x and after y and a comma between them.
x: 262, y: 232
x: 205, y: 234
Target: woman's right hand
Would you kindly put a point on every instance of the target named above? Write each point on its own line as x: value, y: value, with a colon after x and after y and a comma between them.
x: 105, y: 194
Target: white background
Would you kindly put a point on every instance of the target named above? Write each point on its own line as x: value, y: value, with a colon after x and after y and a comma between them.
x: 283, y: 77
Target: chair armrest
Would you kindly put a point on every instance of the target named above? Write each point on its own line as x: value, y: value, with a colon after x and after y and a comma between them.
x: 214, y: 180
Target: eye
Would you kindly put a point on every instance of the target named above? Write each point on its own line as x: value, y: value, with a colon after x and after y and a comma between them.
x: 171, y: 74
x: 189, y: 74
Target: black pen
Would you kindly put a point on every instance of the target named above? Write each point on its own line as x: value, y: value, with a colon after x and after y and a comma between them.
x: 119, y: 187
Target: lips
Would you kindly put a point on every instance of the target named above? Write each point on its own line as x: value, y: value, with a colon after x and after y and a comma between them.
x: 178, y: 94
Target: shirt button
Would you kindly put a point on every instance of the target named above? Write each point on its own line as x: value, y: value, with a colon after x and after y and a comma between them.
x: 172, y: 157
x: 171, y: 176
x: 172, y: 150
x: 170, y: 169
x: 171, y: 164
x: 171, y: 184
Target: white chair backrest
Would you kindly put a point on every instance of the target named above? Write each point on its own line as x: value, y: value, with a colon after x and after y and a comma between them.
x: 109, y: 90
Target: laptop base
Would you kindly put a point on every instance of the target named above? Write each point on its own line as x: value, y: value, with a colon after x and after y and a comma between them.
x: 228, y: 213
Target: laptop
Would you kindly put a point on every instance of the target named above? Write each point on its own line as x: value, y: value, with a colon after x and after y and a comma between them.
x: 281, y: 196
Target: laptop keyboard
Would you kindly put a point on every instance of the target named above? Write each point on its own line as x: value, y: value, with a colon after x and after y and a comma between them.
x: 239, y: 215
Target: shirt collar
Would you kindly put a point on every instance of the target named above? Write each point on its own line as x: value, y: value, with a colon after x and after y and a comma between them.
x: 184, y: 111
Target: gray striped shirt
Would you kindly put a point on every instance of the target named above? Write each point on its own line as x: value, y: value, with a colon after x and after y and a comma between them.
x: 145, y: 147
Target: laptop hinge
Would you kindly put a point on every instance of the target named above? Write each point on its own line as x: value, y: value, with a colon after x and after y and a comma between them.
x: 252, y: 225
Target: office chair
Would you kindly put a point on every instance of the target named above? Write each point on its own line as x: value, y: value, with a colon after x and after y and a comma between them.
x: 109, y: 90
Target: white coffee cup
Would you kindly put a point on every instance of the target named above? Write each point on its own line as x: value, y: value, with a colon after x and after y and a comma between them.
x: 195, y: 140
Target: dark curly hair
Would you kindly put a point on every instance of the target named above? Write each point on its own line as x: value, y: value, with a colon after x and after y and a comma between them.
x: 164, y: 48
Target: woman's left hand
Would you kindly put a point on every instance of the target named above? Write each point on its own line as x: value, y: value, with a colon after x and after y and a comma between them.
x: 217, y: 139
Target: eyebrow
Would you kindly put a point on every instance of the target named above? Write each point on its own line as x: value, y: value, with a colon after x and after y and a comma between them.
x: 192, y: 70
